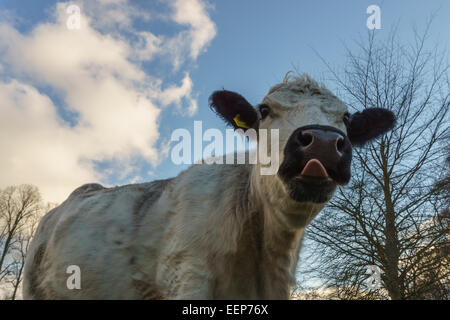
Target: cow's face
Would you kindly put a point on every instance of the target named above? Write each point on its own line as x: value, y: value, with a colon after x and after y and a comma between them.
x: 316, y: 134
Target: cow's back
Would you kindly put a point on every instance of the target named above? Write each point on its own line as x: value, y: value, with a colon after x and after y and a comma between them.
x: 94, y: 229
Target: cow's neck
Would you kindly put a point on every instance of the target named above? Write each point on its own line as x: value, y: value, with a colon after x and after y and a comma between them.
x: 281, y: 226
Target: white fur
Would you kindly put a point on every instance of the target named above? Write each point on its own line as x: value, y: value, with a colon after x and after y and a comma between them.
x: 214, y: 231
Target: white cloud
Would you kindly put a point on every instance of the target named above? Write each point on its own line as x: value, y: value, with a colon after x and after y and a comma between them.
x: 96, y: 72
x: 36, y: 146
x: 111, y: 14
x: 191, y: 42
x: 202, y: 30
x: 148, y: 46
x: 175, y: 94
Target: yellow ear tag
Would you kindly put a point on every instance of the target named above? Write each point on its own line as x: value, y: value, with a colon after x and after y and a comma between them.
x: 240, y: 123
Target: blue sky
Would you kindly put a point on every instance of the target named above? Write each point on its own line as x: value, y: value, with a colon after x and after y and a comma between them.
x: 245, y: 46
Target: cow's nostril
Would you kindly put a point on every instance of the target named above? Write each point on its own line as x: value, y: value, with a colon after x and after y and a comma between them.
x: 340, y: 144
x: 305, y: 139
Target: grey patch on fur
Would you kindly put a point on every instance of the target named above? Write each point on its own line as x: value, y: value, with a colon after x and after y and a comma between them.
x: 86, y: 189
x: 152, y: 192
x: 34, y: 275
x: 147, y: 289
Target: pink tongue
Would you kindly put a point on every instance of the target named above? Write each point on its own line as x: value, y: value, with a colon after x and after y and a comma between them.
x: 314, y: 169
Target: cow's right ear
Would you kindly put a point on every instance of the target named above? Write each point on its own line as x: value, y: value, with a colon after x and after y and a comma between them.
x: 234, y: 109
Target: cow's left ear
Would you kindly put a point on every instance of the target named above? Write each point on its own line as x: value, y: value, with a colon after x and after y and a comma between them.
x: 369, y: 124
x: 234, y: 109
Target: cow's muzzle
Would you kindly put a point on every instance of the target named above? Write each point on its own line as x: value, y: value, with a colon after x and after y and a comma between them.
x: 316, y: 159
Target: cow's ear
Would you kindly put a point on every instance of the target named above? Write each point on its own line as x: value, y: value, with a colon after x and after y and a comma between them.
x: 234, y: 109
x: 369, y: 124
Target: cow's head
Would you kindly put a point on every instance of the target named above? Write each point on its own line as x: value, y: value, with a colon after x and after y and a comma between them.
x: 316, y: 135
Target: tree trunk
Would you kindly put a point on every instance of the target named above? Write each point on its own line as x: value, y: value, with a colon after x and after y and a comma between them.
x: 392, y: 252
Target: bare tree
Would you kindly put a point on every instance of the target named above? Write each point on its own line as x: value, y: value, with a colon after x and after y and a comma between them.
x: 388, y: 215
x: 432, y: 274
x: 20, y: 210
x: 19, y: 250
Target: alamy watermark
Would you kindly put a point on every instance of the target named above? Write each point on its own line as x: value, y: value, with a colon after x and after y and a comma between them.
x: 374, y: 280
x: 260, y: 151
x: 374, y: 20
x: 74, y: 280
x: 74, y: 20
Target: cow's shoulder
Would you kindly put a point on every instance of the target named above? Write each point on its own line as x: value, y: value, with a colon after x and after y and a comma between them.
x: 150, y: 193
x: 210, y: 190
x: 89, y: 189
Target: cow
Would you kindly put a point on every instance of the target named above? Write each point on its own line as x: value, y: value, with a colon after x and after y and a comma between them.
x: 215, y: 231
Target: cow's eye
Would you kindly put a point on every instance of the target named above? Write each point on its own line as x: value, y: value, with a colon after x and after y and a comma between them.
x: 264, y: 110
